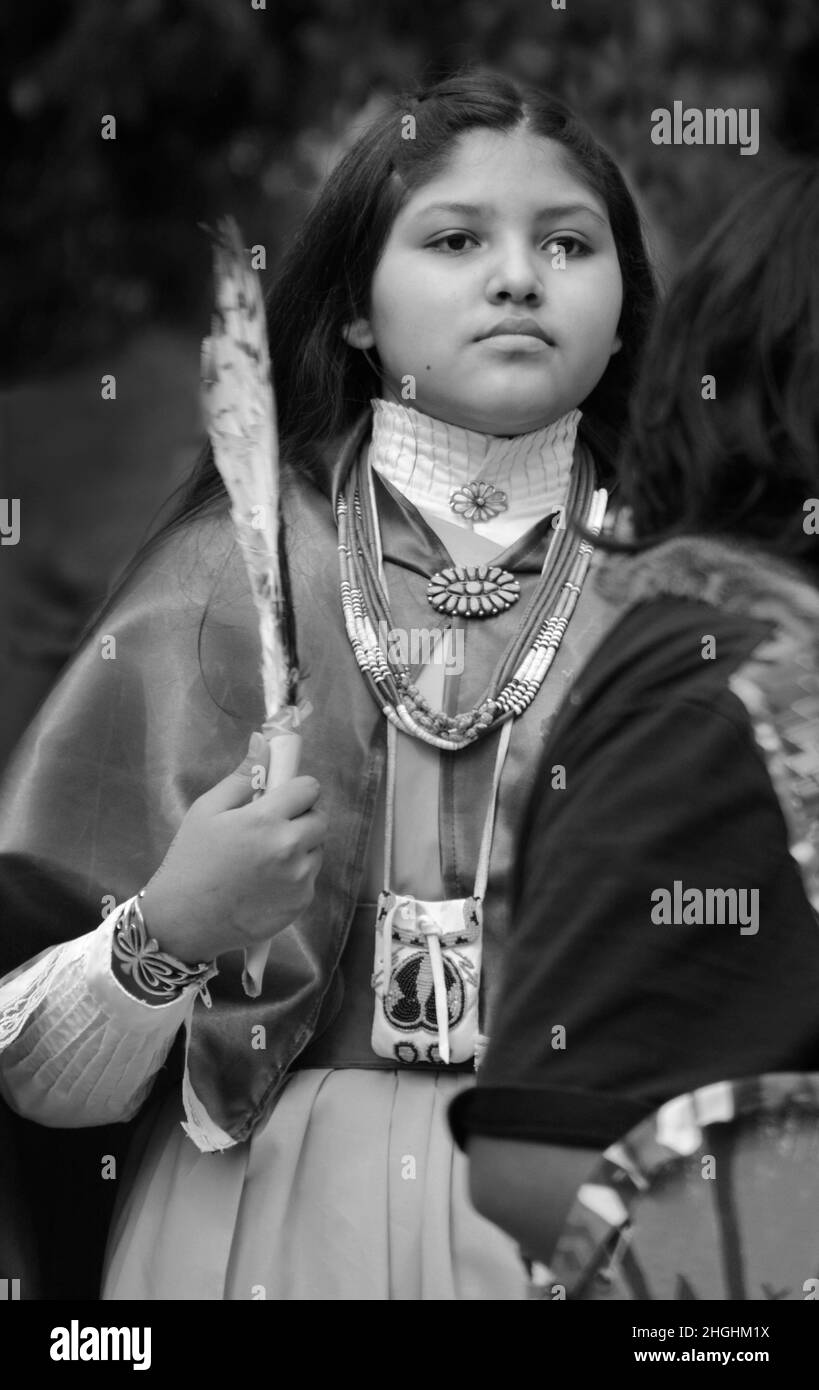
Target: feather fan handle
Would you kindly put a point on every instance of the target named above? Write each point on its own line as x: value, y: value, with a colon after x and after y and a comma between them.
x: 240, y: 413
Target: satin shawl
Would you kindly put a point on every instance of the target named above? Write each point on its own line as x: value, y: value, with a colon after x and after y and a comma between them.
x: 158, y: 704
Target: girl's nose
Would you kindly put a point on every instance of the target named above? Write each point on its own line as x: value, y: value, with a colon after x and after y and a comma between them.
x: 517, y: 276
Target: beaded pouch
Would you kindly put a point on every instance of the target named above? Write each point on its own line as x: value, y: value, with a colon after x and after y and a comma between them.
x: 426, y: 979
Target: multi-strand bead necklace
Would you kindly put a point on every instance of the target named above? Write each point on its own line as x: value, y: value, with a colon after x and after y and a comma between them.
x: 525, y: 662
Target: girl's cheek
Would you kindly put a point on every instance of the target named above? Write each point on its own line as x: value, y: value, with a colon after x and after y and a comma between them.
x: 601, y: 297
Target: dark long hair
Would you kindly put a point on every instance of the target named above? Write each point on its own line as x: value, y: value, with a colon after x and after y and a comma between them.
x: 739, y: 456
x: 323, y: 282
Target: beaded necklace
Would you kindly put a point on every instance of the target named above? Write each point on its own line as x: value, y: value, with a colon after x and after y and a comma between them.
x: 528, y: 656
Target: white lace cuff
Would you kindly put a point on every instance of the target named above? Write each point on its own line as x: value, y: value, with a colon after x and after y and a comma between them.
x: 75, y: 1047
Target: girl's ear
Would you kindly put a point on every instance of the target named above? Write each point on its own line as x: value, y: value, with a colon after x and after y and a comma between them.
x: 358, y: 334
x: 616, y: 345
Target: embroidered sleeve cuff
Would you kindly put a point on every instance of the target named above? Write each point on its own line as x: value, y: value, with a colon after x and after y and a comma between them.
x: 121, y: 1007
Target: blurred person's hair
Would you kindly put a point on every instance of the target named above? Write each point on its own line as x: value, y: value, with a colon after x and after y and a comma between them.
x: 744, y: 310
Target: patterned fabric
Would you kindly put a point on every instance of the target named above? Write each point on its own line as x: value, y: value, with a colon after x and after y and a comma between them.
x: 713, y: 1197
x: 782, y: 700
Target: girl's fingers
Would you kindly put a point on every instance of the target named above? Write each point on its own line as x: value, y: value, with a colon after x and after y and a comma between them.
x: 312, y: 829
x: 287, y: 802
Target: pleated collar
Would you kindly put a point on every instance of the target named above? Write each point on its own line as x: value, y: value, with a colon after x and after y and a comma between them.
x: 428, y: 460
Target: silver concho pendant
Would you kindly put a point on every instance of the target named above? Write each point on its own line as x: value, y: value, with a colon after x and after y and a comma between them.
x: 473, y: 591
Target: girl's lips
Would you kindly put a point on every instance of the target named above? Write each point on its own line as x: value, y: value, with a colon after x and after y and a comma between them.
x: 516, y: 342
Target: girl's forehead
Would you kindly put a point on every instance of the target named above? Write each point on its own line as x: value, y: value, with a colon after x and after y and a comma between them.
x: 486, y: 168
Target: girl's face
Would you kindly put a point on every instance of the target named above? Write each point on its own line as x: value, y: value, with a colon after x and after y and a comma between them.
x: 505, y: 232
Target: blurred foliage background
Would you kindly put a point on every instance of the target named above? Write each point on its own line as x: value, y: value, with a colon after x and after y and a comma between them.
x: 220, y: 105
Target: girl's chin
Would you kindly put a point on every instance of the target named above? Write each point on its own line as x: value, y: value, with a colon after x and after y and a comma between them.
x: 506, y: 418
x: 488, y: 410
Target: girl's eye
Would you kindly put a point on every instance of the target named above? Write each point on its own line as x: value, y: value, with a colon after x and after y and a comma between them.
x: 457, y: 242
x: 441, y: 243
x: 572, y: 245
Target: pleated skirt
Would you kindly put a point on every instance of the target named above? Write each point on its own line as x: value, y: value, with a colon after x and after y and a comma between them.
x: 353, y: 1190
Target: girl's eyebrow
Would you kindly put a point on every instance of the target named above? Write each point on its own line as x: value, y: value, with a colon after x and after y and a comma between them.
x: 486, y: 211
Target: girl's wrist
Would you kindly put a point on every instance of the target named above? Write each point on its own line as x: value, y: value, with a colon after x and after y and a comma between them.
x: 165, y: 925
x: 146, y: 968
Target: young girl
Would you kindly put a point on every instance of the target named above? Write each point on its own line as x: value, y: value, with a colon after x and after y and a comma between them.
x: 679, y: 947
x: 454, y: 335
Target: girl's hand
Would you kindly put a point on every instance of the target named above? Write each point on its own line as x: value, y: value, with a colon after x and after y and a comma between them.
x: 239, y: 870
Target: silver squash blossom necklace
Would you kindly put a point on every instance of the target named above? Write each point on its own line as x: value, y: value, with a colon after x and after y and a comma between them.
x: 464, y: 591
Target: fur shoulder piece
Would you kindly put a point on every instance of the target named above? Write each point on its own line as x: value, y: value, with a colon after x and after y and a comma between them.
x: 779, y: 682
x: 738, y: 578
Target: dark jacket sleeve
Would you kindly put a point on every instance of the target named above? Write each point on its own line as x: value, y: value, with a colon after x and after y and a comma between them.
x: 606, y: 1013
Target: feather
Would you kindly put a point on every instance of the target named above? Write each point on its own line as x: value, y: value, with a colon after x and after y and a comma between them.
x: 240, y: 413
